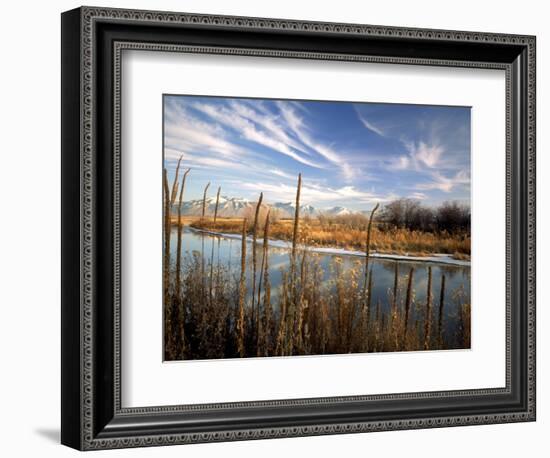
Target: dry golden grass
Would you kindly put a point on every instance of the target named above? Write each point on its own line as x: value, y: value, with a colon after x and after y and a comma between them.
x: 393, y: 241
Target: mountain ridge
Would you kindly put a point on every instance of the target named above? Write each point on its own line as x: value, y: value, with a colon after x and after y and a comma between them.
x: 238, y: 207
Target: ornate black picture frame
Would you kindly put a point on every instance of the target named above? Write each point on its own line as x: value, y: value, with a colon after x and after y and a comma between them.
x: 92, y: 42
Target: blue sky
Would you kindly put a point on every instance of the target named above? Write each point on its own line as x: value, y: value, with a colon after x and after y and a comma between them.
x: 350, y: 154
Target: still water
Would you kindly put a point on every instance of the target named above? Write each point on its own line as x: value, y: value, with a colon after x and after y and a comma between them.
x: 226, y: 251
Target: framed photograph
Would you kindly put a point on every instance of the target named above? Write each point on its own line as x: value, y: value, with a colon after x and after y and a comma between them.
x: 276, y: 228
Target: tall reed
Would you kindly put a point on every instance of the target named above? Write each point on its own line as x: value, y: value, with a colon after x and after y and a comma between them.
x: 367, y: 250
x: 395, y: 285
x: 293, y: 291
x: 408, y: 300
x: 379, y: 327
x: 180, y: 227
x: 166, y: 267
x: 242, y: 295
x: 181, y: 308
x: 267, y: 290
x: 440, y: 316
x: 203, y: 276
x: 296, y: 218
x: 394, y: 315
x: 217, y: 203
x: 204, y: 199
x: 175, y: 184
x: 366, y: 314
x: 300, y: 306
x: 254, y: 236
x: 212, y: 251
x: 281, y: 334
x: 428, y: 318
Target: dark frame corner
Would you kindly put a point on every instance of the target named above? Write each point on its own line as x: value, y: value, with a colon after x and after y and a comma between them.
x: 92, y: 40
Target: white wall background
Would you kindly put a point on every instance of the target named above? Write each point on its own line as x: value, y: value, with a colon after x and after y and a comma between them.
x: 30, y: 240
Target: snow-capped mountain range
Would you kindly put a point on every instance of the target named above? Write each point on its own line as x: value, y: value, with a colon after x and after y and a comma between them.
x: 237, y: 207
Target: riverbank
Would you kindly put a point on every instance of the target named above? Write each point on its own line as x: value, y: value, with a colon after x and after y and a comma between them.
x: 348, y: 238
x: 439, y: 258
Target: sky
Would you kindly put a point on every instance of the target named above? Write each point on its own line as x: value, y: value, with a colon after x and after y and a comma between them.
x: 352, y: 155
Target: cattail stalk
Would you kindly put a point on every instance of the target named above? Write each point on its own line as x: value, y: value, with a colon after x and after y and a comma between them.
x: 428, y: 320
x: 210, y: 291
x: 217, y: 202
x: 296, y: 218
x: 365, y: 315
x: 299, y: 326
x: 408, y: 300
x: 378, y: 327
x: 180, y: 227
x: 367, y: 250
x: 178, y: 269
x: 267, y: 289
x: 166, y: 266
x: 166, y: 232
x: 394, y: 314
x: 204, y: 200
x: 242, y: 294
x: 293, y: 290
x: 440, y: 317
x: 281, y: 335
x: 212, y: 252
x: 369, y: 301
x: 175, y: 184
x: 395, y: 286
x: 254, y: 237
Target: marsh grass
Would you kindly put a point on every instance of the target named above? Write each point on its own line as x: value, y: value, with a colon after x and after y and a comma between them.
x: 340, y: 235
x: 307, y: 315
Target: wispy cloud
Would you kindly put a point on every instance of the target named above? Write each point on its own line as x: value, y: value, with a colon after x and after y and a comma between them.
x: 282, y: 174
x: 425, y: 154
x: 285, y: 132
x: 420, y: 155
x: 443, y: 183
x: 418, y: 196
x: 400, y: 163
x: 369, y: 125
x: 313, y: 194
x: 257, y: 113
x: 182, y: 131
x: 249, y: 130
x: 201, y: 161
x: 303, y: 133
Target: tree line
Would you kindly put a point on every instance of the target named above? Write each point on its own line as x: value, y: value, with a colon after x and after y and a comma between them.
x: 452, y: 217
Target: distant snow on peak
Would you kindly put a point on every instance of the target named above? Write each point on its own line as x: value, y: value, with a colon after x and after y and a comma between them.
x: 338, y: 211
x: 238, y: 207
x: 227, y: 206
